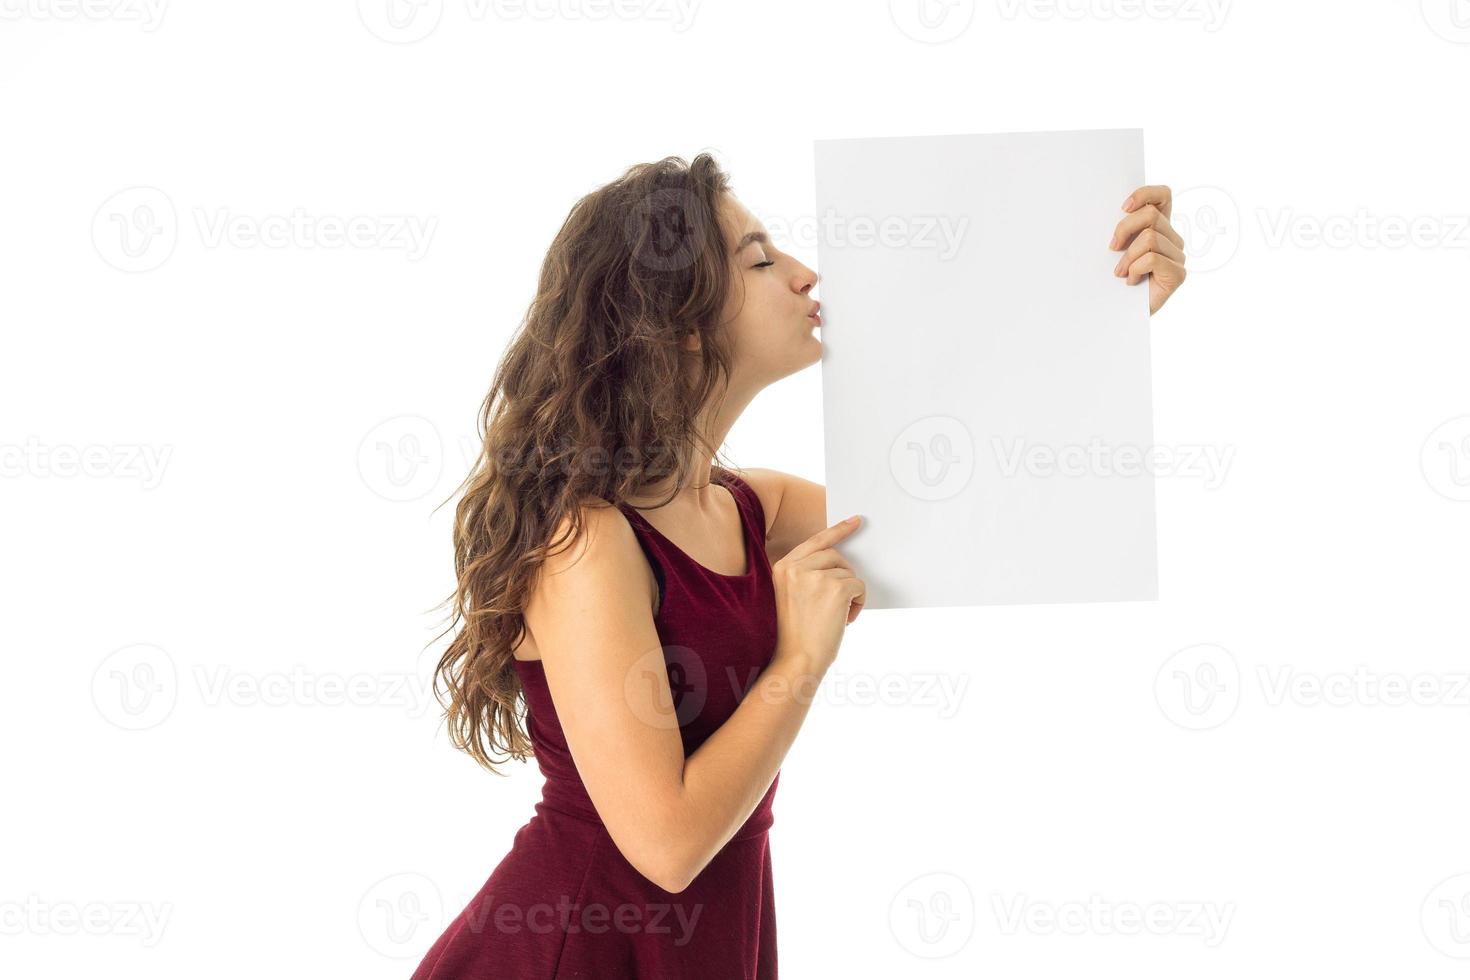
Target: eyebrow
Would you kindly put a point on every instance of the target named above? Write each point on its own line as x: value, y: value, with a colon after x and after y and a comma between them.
x: 753, y: 236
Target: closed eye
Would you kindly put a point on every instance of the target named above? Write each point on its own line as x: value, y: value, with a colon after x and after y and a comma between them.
x: 762, y: 265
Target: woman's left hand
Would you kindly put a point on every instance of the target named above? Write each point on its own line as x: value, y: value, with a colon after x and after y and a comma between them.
x: 1151, y: 247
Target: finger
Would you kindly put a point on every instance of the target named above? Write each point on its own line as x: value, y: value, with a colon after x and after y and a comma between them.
x: 1148, y: 216
x: 826, y: 558
x: 825, y: 538
x: 1148, y: 240
x: 1167, y: 277
x: 1158, y: 195
x: 857, y: 599
x: 1154, y: 263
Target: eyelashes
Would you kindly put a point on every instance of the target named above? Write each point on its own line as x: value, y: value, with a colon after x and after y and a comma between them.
x: 762, y: 265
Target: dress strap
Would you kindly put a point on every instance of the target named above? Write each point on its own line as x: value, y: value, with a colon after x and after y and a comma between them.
x: 748, y: 502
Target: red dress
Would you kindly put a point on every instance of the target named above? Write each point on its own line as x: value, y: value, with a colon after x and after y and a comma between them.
x: 564, y: 902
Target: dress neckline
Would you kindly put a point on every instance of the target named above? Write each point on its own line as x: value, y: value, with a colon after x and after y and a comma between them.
x: 750, y: 557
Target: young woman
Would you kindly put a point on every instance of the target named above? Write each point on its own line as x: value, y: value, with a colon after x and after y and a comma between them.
x: 665, y: 618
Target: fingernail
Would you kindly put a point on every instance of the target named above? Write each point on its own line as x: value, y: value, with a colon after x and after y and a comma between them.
x: 1112, y: 244
x: 851, y: 520
x: 1128, y: 204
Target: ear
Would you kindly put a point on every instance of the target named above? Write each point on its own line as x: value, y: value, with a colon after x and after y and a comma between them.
x: 691, y: 342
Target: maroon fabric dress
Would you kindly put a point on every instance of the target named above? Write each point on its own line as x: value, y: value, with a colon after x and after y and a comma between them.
x: 564, y: 902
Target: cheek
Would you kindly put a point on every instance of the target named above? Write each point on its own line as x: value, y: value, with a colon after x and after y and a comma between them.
x: 766, y: 304
x: 755, y: 324
x: 743, y: 298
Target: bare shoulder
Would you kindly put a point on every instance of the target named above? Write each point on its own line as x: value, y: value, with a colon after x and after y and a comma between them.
x: 602, y: 560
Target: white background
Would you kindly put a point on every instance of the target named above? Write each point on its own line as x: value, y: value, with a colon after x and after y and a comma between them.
x: 281, y: 549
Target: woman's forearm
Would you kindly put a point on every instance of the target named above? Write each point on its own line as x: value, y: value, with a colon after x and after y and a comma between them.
x: 728, y: 775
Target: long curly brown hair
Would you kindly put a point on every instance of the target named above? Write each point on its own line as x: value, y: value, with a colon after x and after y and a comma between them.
x: 595, y: 397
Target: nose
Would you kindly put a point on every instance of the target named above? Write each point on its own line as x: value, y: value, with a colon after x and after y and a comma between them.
x: 806, y: 279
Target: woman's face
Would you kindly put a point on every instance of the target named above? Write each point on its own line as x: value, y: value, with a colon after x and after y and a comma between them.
x: 768, y: 312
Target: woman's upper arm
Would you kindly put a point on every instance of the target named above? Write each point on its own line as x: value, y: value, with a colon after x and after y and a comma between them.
x: 795, y: 508
x: 589, y: 614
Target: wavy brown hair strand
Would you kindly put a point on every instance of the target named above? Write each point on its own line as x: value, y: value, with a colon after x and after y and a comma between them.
x: 594, y: 397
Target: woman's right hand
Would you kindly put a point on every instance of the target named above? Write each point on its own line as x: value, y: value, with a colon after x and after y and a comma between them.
x: 817, y: 595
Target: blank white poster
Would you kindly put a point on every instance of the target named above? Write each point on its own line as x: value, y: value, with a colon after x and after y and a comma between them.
x: 985, y: 376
